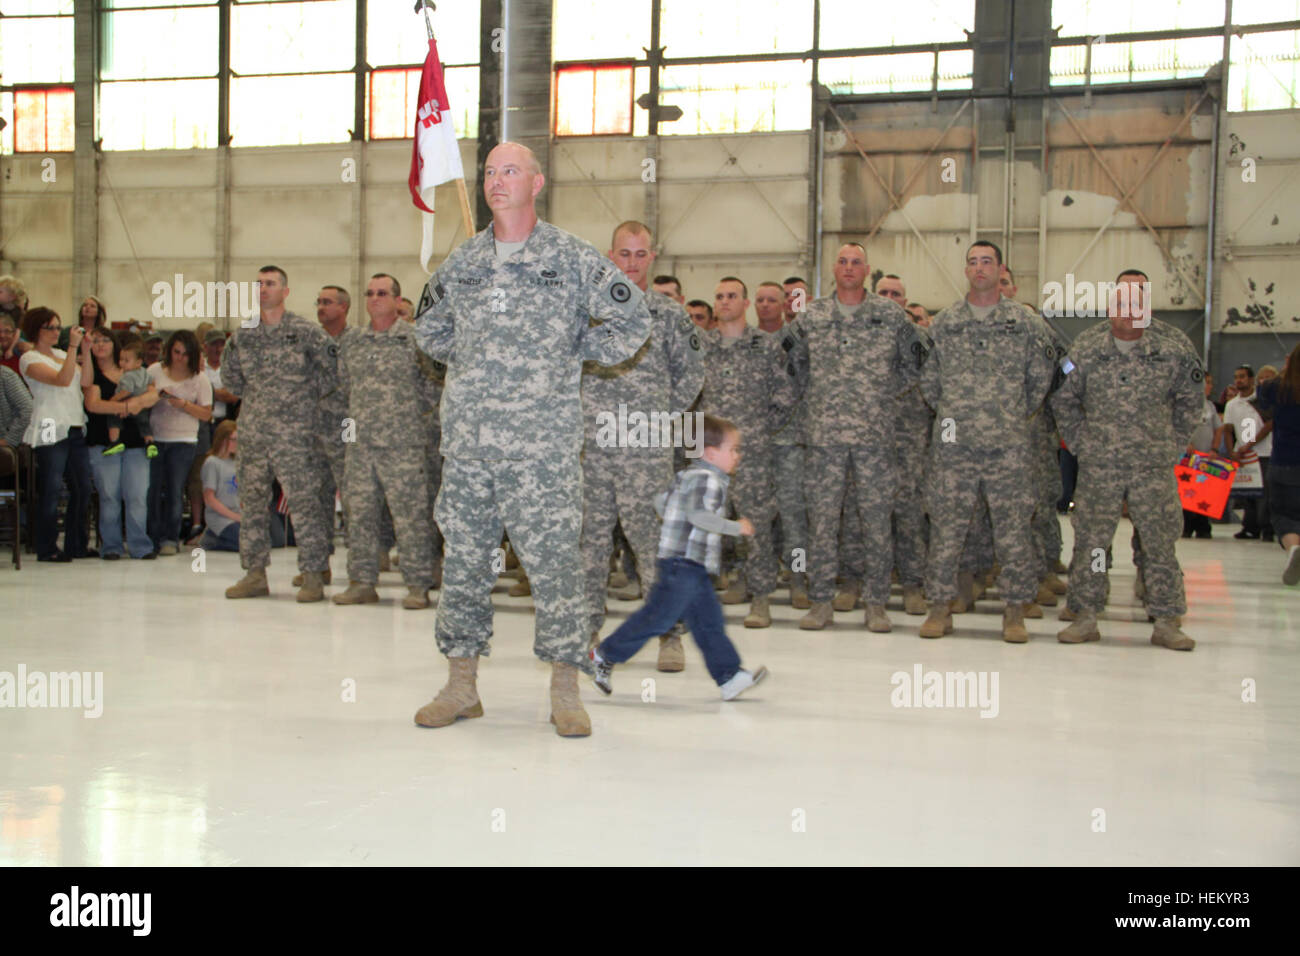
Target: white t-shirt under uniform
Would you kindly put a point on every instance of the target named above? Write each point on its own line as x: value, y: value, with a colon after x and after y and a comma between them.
x: 1235, y: 413
x: 57, y: 404
x: 172, y: 424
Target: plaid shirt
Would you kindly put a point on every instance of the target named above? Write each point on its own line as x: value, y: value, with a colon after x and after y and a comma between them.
x: 700, y: 491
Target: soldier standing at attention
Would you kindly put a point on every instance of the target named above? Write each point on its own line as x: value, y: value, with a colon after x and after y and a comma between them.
x: 1127, y: 409
x: 390, y: 388
x: 856, y: 353
x: 280, y: 364
x: 912, y: 444
x: 789, y: 448
x: 620, y: 484
x: 510, y: 313
x: 989, y: 369
x: 747, y: 380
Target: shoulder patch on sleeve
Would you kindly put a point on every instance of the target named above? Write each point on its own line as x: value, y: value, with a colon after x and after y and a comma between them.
x: 1197, y: 374
x: 695, y: 341
x: 620, y: 292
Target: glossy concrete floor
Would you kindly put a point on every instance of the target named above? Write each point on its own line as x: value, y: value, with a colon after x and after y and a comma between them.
x: 267, y: 732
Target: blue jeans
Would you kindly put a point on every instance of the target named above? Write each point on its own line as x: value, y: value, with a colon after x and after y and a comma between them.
x: 122, y: 480
x: 167, y: 475
x: 228, y: 540
x: 682, y: 592
x: 54, y: 462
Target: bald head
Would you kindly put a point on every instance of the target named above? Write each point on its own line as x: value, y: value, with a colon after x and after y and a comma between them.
x: 517, y: 152
x: 512, y: 179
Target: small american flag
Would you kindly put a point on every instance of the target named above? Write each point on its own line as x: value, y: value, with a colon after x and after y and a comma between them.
x: 282, y: 504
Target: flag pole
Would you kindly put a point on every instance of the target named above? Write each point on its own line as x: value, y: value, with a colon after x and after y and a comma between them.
x: 466, y: 214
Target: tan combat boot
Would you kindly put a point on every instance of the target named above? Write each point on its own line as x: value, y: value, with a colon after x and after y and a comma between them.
x: 672, y: 659
x: 846, y: 599
x: 521, y: 588
x: 385, y: 562
x: 252, y: 584
x: 1033, y: 610
x: 939, y: 621
x: 799, y: 592
x: 567, y: 713
x: 817, y: 618
x: 1013, y: 624
x: 759, y: 614
x: 913, y: 600
x: 631, y: 592
x: 736, y: 593
x: 1168, y: 634
x: 1056, y: 584
x: 1046, y: 597
x: 417, y: 599
x: 966, y: 590
x: 459, y: 698
x: 325, y: 578
x: 1068, y: 614
x: 358, y: 592
x: 1083, y: 628
x: 877, y: 620
x: 617, y: 580
x: 313, y: 588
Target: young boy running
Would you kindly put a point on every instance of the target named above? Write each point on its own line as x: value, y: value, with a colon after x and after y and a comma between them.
x: 690, y: 549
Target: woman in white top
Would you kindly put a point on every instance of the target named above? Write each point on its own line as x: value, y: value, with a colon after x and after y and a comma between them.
x: 186, y: 400
x: 57, y: 434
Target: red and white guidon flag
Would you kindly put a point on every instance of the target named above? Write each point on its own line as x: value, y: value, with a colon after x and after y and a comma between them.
x: 436, y: 156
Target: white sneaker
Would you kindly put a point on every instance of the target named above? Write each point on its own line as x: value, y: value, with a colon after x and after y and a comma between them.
x: 1291, y: 575
x: 741, y: 682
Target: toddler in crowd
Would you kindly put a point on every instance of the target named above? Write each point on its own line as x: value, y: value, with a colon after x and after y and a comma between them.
x: 690, y: 548
x: 135, y: 381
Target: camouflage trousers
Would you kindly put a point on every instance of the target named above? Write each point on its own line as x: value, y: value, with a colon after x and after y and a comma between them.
x: 1047, y: 488
x: 977, y: 552
x: 910, y: 527
x: 957, y: 489
x: 843, y: 479
x: 852, y: 543
x: 301, y: 471
x: 752, y: 495
x: 538, y: 502
x: 1157, y: 517
x: 335, y: 453
x: 788, y: 461
x: 399, y: 475
x: 619, y: 486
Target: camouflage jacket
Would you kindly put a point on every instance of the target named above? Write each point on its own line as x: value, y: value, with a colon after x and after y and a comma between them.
x: 390, y: 384
x: 984, y: 378
x: 665, y: 375
x: 334, y: 407
x: 750, y: 383
x: 851, y: 371
x: 280, y: 372
x: 1131, y: 409
x: 514, y: 335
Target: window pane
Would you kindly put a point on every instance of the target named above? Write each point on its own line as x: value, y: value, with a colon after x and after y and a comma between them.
x: 291, y: 110
x: 1137, y: 62
x: 393, y: 94
x: 1264, y: 11
x: 293, y: 37
x: 163, y: 114
x: 593, y: 101
x: 720, y: 27
x: 582, y: 30
x: 738, y: 97
x: 1086, y: 18
x: 16, y: 8
x: 896, y: 73
x: 845, y: 23
x: 1265, y: 71
x: 43, y: 121
x: 36, y: 51
x: 396, y: 35
x: 159, y: 43
x: 112, y: 4
x: 462, y: 96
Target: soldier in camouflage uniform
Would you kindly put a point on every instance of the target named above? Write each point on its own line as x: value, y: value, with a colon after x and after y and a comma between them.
x: 855, y: 353
x: 789, y: 449
x: 1128, y: 409
x: 509, y: 313
x: 748, y: 381
x: 389, y: 385
x: 912, y: 446
x: 619, y: 484
x: 280, y: 364
x: 332, y: 304
x: 989, y: 369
